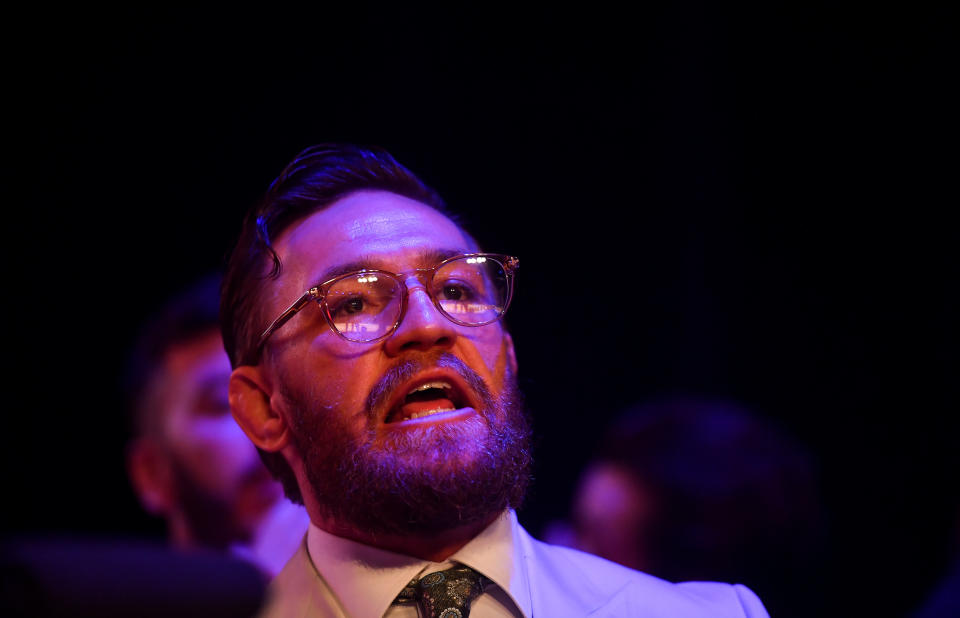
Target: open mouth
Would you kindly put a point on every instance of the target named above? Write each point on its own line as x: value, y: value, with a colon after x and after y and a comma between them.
x: 427, y: 398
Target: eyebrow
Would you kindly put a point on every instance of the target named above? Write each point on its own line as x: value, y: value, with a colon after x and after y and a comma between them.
x: 425, y: 256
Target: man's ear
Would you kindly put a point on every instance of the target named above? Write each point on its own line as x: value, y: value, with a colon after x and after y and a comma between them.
x: 249, y: 393
x: 151, y: 474
x: 511, y: 353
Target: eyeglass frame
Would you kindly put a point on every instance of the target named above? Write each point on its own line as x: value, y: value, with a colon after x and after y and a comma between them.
x: 318, y: 293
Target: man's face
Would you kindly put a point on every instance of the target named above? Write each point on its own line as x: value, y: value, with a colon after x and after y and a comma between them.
x: 220, y: 484
x: 352, y: 407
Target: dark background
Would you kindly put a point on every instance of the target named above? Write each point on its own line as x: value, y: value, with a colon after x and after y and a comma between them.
x: 745, y: 202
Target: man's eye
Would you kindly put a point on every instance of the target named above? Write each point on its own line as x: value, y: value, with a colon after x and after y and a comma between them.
x: 452, y: 292
x: 350, y: 305
x: 347, y: 305
x: 212, y: 401
x: 455, y: 289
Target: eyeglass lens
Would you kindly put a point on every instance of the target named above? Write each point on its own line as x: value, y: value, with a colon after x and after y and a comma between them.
x: 470, y: 290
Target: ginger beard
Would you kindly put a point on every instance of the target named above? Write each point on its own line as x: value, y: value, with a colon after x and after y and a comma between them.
x: 416, y: 480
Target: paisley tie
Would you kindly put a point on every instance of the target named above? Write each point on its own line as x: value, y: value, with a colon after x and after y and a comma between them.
x: 444, y: 594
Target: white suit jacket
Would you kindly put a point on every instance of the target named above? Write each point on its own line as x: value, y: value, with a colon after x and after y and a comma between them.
x: 562, y: 583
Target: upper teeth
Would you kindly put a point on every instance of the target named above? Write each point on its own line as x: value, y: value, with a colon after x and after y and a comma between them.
x: 423, y: 387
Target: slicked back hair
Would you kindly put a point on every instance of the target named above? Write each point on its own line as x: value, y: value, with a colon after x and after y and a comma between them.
x: 313, y: 180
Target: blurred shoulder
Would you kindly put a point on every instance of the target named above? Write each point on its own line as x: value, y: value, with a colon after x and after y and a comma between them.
x: 571, y: 581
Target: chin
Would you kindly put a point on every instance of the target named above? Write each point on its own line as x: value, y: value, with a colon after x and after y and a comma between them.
x: 420, y: 475
x: 427, y: 478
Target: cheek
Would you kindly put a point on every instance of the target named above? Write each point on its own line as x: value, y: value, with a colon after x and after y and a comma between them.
x: 338, y: 379
x: 215, y: 451
x: 486, y: 353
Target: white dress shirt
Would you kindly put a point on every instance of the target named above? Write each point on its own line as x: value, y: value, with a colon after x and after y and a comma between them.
x: 365, y: 580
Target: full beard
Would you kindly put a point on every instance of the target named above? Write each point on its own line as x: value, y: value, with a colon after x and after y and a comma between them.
x: 418, y: 480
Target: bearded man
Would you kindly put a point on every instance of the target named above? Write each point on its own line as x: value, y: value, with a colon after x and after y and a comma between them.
x: 373, y: 373
x: 187, y: 459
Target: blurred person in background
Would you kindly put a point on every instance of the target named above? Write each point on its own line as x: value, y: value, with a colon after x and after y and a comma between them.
x: 188, y: 460
x: 689, y: 489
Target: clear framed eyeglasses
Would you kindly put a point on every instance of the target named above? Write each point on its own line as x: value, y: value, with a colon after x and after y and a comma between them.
x: 472, y: 289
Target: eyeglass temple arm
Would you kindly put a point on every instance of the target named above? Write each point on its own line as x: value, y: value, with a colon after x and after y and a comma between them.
x: 284, y: 317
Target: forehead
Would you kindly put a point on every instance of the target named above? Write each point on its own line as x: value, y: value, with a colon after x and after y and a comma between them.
x: 199, y: 355
x: 196, y: 369
x: 375, y: 228
x: 197, y: 363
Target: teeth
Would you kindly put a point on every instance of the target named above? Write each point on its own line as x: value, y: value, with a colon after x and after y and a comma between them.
x: 427, y: 413
x: 423, y: 387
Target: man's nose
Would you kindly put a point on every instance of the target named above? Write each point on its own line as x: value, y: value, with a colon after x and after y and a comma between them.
x: 423, y: 326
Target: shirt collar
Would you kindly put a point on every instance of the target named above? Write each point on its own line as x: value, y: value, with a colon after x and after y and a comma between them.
x: 366, y: 579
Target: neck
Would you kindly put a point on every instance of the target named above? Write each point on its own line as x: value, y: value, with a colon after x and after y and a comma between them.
x: 435, y: 547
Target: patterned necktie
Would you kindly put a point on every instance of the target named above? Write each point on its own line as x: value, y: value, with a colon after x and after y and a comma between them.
x: 444, y: 594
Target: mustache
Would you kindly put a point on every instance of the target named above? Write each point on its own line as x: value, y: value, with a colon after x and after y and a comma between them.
x: 395, y: 376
